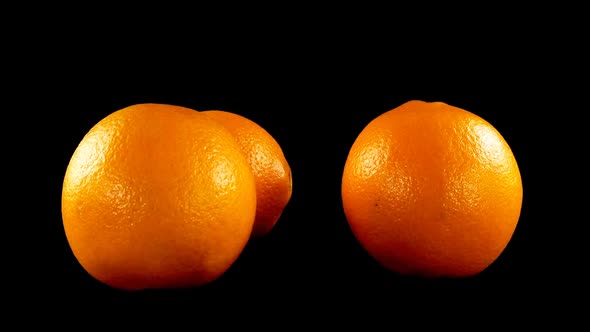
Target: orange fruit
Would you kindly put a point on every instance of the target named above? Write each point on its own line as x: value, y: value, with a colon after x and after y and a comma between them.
x: 271, y: 170
x: 432, y: 190
x: 157, y: 196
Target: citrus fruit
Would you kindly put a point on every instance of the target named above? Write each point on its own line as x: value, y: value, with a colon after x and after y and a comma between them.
x: 271, y: 170
x: 157, y: 196
x: 432, y: 190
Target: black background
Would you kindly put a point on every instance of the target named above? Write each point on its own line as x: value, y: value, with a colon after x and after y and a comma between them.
x: 314, y: 90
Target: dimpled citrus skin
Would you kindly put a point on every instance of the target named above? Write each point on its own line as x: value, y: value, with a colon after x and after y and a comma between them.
x: 271, y: 170
x: 432, y: 190
x: 157, y: 196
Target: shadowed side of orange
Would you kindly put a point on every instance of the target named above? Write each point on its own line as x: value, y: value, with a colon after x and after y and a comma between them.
x: 270, y: 167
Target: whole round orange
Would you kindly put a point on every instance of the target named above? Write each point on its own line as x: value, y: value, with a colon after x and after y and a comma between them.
x: 271, y: 170
x: 432, y: 190
x: 157, y: 196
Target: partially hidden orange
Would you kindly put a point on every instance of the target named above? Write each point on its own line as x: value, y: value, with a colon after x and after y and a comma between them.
x: 432, y: 190
x: 158, y: 196
x: 271, y: 170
